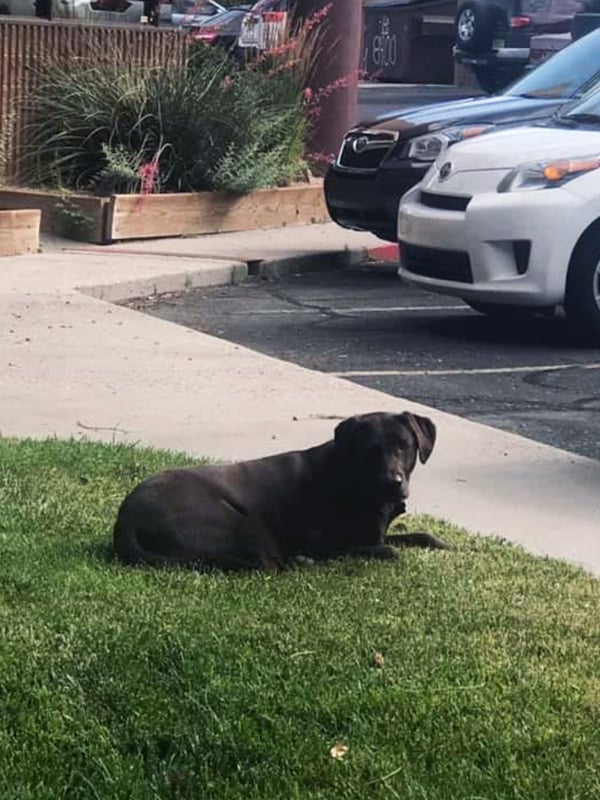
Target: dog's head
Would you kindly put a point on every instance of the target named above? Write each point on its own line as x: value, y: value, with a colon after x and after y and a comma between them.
x: 379, y: 451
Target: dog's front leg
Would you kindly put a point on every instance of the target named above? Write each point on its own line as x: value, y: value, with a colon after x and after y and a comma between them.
x: 363, y: 537
x: 381, y: 552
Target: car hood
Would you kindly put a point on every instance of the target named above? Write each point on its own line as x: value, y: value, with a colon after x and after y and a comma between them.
x: 509, y: 148
x: 501, y: 108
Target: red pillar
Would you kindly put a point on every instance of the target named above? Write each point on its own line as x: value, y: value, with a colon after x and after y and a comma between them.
x: 337, y: 61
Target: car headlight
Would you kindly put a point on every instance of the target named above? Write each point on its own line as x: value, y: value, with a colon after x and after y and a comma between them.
x: 546, y: 174
x: 429, y: 146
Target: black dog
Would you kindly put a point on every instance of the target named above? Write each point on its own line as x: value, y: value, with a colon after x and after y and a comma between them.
x: 333, y: 500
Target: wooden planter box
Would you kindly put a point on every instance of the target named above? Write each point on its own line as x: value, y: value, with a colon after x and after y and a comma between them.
x: 19, y: 232
x: 107, y: 219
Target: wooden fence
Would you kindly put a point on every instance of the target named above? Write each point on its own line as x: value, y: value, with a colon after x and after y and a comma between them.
x: 29, y: 45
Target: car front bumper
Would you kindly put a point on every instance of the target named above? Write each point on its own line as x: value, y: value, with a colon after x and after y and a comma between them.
x: 512, y: 248
x: 502, y: 56
x: 369, y: 201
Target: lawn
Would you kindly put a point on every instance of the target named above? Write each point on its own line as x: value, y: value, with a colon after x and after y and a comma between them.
x: 466, y: 675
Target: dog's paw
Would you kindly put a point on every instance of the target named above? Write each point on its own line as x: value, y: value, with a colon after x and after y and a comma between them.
x: 429, y: 541
x: 301, y: 561
x: 421, y: 539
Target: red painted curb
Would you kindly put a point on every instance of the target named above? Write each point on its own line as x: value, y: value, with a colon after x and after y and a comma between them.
x: 386, y: 252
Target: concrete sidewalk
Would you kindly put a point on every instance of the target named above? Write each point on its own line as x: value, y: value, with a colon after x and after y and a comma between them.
x: 75, y: 365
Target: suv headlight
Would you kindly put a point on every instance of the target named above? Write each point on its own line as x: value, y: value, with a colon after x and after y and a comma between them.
x: 546, y: 174
x: 429, y: 146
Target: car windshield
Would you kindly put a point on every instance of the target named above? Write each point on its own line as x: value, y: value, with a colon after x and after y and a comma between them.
x: 586, y: 110
x: 567, y: 74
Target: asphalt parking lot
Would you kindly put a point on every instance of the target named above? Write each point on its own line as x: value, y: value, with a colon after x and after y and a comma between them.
x: 532, y: 377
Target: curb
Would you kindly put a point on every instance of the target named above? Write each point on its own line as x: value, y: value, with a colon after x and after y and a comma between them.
x: 307, y: 262
x: 229, y: 272
x: 385, y: 252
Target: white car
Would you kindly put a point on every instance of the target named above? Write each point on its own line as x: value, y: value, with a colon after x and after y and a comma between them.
x: 193, y: 13
x: 179, y: 12
x: 512, y: 219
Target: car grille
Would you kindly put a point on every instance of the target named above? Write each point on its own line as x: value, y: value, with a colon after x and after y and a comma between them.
x: 362, y: 152
x: 446, y: 202
x: 431, y: 262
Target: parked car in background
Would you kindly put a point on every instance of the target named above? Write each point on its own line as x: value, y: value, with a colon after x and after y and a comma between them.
x: 378, y: 163
x: 112, y: 11
x: 222, y: 30
x: 512, y: 220
x: 189, y: 13
x: 264, y: 25
x: 587, y: 21
x: 493, y: 36
x: 544, y: 45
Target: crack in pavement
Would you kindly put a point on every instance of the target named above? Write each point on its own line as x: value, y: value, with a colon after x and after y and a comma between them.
x: 327, y: 311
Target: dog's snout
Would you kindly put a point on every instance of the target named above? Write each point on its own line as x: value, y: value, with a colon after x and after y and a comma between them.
x: 397, y: 484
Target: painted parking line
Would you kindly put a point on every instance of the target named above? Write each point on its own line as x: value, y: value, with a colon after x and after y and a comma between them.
x: 352, y: 310
x: 383, y: 309
x: 382, y: 373
x: 262, y: 312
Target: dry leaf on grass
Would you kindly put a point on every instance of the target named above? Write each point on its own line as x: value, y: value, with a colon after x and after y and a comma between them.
x: 378, y: 660
x: 338, y: 751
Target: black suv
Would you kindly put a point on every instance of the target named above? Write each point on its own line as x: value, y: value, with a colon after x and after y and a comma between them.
x: 380, y: 161
x: 492, y: 36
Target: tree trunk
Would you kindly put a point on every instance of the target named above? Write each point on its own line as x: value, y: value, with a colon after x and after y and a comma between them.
x: 335, y: 71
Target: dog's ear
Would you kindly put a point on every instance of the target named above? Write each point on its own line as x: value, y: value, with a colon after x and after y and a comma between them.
x: 424, y: 430
x: 345, y: 431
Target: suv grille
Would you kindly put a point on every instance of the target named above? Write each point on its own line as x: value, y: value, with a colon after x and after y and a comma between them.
x: 447, y: 265
x: 365, y: 152
x: 447, y: 202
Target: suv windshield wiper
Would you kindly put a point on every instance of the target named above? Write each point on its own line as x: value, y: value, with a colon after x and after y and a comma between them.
x: 583, y: 117
x: 544, y: 94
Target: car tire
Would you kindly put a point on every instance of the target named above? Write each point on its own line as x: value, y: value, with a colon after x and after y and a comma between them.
x: 582, y: 293
x: 474, y: 26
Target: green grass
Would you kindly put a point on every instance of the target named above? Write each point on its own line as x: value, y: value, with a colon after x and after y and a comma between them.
x: 125, y: 683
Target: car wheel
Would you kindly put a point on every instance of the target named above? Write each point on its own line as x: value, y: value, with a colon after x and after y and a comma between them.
x: 474, y: 26
x: 582, y: 295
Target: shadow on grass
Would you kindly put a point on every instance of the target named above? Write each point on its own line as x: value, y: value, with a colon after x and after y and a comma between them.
x: 102, y: 552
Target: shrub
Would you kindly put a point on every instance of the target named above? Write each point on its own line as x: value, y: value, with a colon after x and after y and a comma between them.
x: 212, y: 124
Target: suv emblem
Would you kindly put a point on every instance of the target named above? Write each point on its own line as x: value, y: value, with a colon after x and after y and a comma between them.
x: 445, y: 171
x: 360, y: 145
